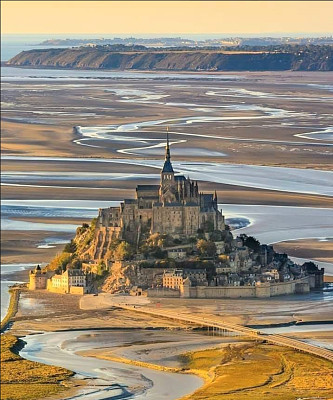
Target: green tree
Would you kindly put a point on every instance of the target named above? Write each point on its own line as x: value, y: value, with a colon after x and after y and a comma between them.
x: 252, y: 243
x: 158, y: 240
x: 60, y: 261
x: 159, y: 253
x: 208, y: 226
x: 206, y: 247
x: 124, y: 251
x: 81, y: 229
x: 101, y: 268
x: 201, y: 245
x: 114, y: 244
x: 210, y: 248
x: 216, y: 236
x: 70, y: 247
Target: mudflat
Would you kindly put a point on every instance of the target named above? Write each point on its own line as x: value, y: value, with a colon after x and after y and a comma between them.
x: 253, y: 118
x: 261, y: 118
x: 22, y: 246
x: 319, y: 249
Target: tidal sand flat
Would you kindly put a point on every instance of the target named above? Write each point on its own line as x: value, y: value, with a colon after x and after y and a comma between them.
x: 26, y: 379
x: 243, y: 134
x: 235, y: 117
x: 321, y: 248
x: 160, y: 348
x: 113, y: 379
x: 262, y: 177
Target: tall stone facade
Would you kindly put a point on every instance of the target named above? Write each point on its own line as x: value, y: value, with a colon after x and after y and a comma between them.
x: 37, y: 279
x: 174, y: 207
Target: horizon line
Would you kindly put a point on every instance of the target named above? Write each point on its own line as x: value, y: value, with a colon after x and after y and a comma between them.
x: 177, y: 33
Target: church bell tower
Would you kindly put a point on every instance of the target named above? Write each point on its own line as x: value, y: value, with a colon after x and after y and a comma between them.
x: 167, y: 188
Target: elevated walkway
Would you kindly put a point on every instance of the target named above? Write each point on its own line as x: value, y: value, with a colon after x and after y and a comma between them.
x: 220, y: 327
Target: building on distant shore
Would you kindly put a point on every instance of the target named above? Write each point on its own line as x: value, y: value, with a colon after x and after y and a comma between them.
x: 175, y: 207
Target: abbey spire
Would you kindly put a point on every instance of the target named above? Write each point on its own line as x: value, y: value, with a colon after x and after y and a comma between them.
x: 167, y: 164
x: 167, y: 147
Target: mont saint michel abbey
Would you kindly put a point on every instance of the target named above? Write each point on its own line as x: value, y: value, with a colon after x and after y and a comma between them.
x: 175, y: 207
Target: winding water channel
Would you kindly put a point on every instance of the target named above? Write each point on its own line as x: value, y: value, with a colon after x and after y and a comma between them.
x: 108, y: 379
x: 270, y: 224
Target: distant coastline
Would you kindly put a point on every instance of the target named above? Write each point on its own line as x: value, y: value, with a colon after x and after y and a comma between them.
x: 313, y: 58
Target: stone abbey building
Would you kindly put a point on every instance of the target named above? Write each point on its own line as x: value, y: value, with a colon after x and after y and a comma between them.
x: 175, y: 207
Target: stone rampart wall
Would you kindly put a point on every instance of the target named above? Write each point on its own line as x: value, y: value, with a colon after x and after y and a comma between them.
x: 77, y: 290
x: 53, y: 289
x: 215, y: 292
x: 283, y: 288
x: 163, y: 292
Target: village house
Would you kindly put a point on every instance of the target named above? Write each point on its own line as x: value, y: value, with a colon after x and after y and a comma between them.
x: 175, y: 278
x: 70, y: 281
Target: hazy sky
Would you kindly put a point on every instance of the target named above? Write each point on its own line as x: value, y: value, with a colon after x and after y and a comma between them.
x: 163, y: 17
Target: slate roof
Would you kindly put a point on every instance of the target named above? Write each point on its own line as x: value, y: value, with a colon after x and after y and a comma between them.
x: 147, y: 187
x: 130, y: 201
x: 167, y: 167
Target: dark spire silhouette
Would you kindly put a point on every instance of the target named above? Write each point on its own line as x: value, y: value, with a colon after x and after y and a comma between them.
x: 167, y: 164
x: 167, y: 147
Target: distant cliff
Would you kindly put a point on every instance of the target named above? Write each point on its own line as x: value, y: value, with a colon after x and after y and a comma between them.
x: 311, y: 58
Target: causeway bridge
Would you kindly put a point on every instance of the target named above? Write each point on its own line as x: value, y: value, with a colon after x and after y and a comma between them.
x: 220, y: 327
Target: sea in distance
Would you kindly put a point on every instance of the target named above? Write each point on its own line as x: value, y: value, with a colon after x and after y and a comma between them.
x: 12, y: 44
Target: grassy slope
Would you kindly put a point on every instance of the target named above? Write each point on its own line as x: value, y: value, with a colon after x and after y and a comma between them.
x: 261, y: 372
x: 23, y: 379
x: 12, y: 308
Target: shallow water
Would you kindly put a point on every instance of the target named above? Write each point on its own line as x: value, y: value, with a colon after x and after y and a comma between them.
x: 295, y: 180
x: 300, y: 328
x: 17, y: 225
x: 270, y: 224
x: 13, y: 73
x: 7, y: 270
x: 294, y: 329
x: 322, y: 134
x: 114, y: 379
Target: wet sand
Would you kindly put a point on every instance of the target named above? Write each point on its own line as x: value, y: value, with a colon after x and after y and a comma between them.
x: 21, y: 246
x: 73, y: 313
x: 246, y: 118
x: 120, y: 189
x: 48, y: 129
x: 258, y: 117
x: 37, y: 313
x: 110, y: 378
x: 321, y: 250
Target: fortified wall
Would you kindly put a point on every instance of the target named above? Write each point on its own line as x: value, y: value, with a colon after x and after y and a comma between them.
x: 264, y: 290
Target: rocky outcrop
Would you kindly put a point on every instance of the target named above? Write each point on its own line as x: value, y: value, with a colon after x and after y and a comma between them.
x: 312, y: 58
x: 123, y: 276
